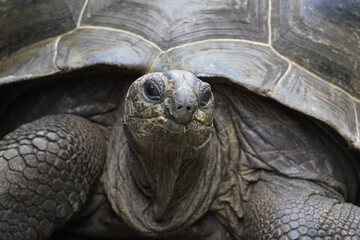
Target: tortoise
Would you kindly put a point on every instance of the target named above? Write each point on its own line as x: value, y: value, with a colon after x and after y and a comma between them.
x: 167, y: 120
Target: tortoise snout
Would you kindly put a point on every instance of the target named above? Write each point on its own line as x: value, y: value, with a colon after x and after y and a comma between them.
x: 184, y: 104
x: 183, y: 111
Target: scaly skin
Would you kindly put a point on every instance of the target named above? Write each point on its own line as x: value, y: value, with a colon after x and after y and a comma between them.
x: 46, y: 170
x: 281, y: 178
x: 282, y: 208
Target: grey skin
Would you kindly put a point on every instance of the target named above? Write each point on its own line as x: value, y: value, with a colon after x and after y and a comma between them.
x: 175, y: 160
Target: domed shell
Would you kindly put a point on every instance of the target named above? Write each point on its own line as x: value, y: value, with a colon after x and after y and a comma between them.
x: 304, y: 54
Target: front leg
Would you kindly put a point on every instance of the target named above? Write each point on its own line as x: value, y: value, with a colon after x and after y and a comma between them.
x: 46, y: 170
x: 283, y: 208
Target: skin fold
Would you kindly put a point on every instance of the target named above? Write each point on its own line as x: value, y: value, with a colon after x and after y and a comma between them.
x: 177, y: 159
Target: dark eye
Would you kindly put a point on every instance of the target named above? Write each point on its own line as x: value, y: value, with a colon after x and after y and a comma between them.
x: 152, y: 90
x: 205, y: 98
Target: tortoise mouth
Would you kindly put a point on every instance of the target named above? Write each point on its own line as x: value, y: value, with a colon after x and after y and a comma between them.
x: 170, y: 124
x: 165, y: 131
x: 179, y: 127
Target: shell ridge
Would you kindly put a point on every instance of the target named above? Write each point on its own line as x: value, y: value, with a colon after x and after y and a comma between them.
x: 82, y: 13
x: 269, y: 21
x: 357, y: 139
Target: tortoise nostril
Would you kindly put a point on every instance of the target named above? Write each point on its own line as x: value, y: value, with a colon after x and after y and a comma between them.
x: 182, y: 105
x: 183, y: 112
x: 182, y: 108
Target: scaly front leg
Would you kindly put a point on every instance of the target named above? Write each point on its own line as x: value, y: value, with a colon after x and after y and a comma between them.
x: 46, y: 170
x: 283, y: 208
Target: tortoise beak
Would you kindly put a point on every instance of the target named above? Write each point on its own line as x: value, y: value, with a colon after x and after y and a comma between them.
x: 183, y: 105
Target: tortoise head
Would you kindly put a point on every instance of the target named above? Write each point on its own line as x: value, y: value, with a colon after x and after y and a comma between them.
x: 168, y: 124
x: 173, y: 106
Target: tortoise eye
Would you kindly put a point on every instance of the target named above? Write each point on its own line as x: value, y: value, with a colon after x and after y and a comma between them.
x: 206, y: 97
x: 152, y: 90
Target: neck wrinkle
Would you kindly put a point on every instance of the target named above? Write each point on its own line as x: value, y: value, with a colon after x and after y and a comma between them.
x: 133, y: 202
x: 175, y: 176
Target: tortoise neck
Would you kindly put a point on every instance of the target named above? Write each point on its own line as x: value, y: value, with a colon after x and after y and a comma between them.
x: 136, y: 185
x: 167, y: 174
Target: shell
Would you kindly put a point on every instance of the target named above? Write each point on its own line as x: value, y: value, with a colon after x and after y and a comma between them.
x: 304, y: 54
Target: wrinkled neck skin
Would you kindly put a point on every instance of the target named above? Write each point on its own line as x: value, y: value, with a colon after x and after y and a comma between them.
x: 165, y: 181
x: 165, y: 168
